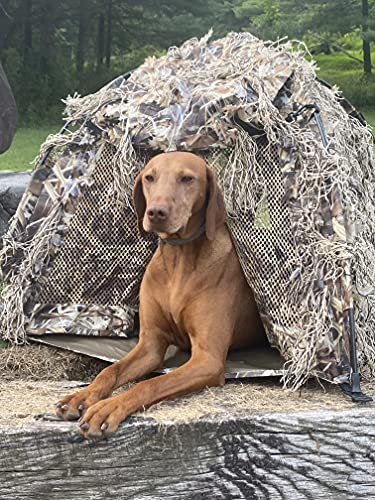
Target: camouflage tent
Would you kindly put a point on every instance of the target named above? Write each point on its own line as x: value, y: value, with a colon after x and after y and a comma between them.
x: 295, y: 165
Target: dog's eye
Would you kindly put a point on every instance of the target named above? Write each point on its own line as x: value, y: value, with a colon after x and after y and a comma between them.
x: 149, y: 178
x: 186, y: 178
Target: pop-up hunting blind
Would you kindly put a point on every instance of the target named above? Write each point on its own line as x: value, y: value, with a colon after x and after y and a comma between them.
x: 295, y: 164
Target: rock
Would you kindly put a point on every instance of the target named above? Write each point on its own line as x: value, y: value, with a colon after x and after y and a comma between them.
x: 12, y: 187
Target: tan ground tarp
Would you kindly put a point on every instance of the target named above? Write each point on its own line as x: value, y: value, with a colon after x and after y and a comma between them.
x: 239, y: 364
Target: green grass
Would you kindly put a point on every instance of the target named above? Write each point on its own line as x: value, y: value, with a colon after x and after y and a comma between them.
x: 370, y: 117
x: 25, y: 147
x: 339, y: 69
x: 337, y: 64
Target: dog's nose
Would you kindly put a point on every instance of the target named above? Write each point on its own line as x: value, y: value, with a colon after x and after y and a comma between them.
x: 157, y: 213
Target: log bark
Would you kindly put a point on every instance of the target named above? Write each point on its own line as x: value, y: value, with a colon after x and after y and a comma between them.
x: 308, y: 455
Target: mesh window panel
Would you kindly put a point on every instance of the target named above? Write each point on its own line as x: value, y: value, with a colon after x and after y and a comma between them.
x: 264, y: 241
x: 103, y: 257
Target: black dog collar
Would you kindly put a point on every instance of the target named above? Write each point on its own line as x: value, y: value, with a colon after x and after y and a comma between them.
x: 199, y: 233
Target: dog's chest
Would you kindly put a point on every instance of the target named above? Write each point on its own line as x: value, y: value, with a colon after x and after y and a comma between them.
x: 180, y: 291
x: 182, y: 280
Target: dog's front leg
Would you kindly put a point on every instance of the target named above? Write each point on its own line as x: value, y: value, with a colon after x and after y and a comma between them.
x: 146, y: 356
x: 104, y: 417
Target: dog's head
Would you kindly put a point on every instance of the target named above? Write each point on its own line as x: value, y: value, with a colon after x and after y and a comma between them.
x: 173, y: 188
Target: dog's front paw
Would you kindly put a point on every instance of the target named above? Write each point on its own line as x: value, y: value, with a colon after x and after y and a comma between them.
x: 72, y: 407
x: 103, y: 418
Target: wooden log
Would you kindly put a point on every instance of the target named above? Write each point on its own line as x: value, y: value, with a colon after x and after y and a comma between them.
x: 305, y: 455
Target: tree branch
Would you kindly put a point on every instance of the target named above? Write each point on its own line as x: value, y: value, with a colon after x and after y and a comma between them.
x: 339, y: 47
x: 5, y: 12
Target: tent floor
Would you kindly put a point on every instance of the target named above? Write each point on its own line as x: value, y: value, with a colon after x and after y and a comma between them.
x: 240, y: 363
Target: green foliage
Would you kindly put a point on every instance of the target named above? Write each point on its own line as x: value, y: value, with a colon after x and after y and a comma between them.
x: 263, y: 18
x: 327, y: 28
x: 52, y: 48
x: 368, y: 36
x: 249, y: 9
x: 136, y: 57
x: 273, y: 18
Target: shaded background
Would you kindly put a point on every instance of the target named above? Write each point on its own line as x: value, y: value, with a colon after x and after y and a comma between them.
x: 52, y: 48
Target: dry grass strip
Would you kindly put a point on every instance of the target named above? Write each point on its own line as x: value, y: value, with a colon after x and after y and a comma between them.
x: 38, y: 362
x: 22, y: 401
x: 34, y: 377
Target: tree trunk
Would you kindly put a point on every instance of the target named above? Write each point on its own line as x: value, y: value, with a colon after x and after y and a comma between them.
x: 27, y: 31
x: 366, y: 44
x: 47, y: 33
x: 366, y: 57
x: 12, y: 21
x: 100, y: 42
x: 5, y: 21
x: 109, y: 35
x: 82, y: 33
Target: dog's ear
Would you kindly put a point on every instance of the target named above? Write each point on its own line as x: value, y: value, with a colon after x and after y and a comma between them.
x: 139, y: 203
x: 215, y: 212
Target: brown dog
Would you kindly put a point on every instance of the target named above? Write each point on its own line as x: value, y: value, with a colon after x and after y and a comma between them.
x: 193, y: 295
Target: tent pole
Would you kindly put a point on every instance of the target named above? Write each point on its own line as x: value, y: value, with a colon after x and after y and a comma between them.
x: 353, y: 387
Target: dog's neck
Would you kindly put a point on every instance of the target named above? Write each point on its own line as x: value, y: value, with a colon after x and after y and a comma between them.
x: 183, y: 241
x: 193, y: 231
x: 199, y: 254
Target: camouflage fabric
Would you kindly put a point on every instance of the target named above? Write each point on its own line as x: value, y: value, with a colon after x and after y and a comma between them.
x: 301, y: 212
x: 81, y: 281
